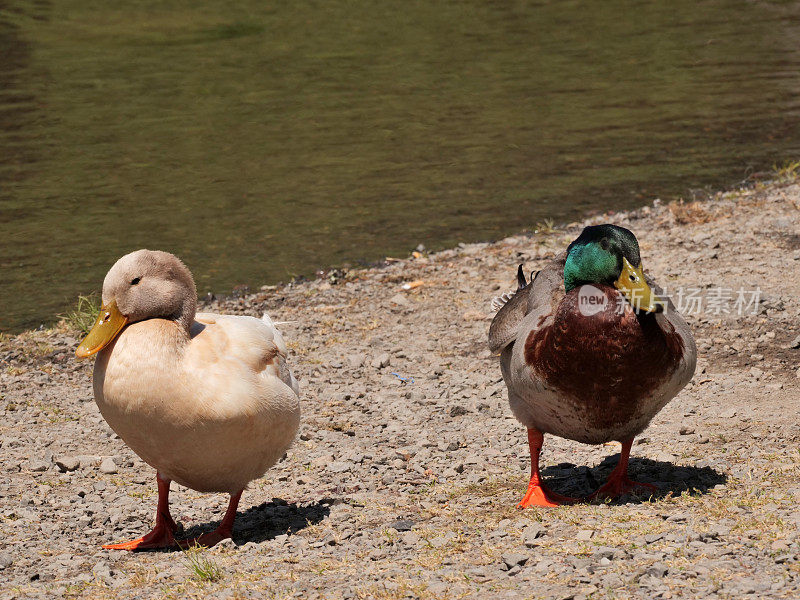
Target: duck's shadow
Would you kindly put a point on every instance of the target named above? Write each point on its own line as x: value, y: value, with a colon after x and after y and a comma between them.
x: 269, y: 520
x: 580, y: 481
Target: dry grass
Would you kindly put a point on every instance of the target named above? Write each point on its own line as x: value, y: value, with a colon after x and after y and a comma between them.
x: 686, y: 213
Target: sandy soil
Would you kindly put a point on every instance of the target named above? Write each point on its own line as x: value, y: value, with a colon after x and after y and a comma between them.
x: 404, y: 478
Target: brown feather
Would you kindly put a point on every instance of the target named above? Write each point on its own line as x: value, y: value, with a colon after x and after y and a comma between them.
x: 606, y: 363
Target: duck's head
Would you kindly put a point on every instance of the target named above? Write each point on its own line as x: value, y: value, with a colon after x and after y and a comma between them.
x: 145, y: 284
x: 609, y: 255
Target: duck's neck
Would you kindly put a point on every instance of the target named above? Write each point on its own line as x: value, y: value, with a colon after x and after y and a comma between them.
x: 185, y: 317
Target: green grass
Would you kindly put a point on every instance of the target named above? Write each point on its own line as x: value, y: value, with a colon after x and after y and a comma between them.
x: 84, y: 313
x: 202, y: 567
x: 788, y: 172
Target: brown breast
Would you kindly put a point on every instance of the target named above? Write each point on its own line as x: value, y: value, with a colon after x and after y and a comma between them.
x: 601, y: 355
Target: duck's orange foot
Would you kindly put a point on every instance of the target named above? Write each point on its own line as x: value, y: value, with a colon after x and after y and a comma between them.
x: 160, y: 537
x: 618, y: 486
x: 207, y: 539
x: 538, y: 495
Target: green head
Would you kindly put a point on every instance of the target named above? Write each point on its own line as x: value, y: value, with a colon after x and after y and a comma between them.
x: 609, y: 254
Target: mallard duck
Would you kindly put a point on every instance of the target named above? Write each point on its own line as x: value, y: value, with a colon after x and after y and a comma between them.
x: 207, y: 400
x: 590, y: 351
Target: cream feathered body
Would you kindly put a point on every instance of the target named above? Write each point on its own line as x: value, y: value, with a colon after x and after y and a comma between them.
x: 211, y: 410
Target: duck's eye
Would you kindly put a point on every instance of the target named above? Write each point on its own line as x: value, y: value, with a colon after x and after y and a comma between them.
x: 135, y: 280
x: 604, y: 243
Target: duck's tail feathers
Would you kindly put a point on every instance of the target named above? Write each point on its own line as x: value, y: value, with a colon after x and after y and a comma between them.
x: 502, y: 300
x: 276, y: 334
x: 521, y: 283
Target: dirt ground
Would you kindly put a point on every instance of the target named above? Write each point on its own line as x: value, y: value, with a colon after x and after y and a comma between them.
x: 405, y: 475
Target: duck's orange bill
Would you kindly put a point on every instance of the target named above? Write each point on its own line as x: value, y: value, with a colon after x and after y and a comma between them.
x: 109, y: 323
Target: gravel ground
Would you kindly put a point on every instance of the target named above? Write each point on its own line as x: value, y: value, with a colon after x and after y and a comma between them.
x: 404, y: 479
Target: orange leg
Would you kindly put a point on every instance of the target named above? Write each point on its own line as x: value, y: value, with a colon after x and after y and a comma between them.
x: 618, y: 482
x: 224, y: 531
x: 538, y: 494
x: 165, y: 527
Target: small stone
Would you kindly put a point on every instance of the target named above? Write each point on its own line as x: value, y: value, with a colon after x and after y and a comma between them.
x: 400, y: 300
x: 679, y: 517
x: 653, y: 537
x: 584, y: 535
x: 5, y: 560
x: 532, y: 533
x: 38, y: 466
x: 512, y: 559
x: 779, y: 545
x: 67, y: 463
x: 410, y: 538
x: 458, y: 410
x: 405, y: 453
x: 686, y: 430
x: 402, y: 525
x: 658, y: 570
x: 338, y: 467
x: 226, y: 544
x: 323, y: 461
x: 108, y: 466
x: 381, y: 361
x: 604, y: 552
x: 354, y: 361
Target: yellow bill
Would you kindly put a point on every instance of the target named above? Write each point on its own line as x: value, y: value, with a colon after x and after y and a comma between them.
x: 632, y: 284
x: 109, y: 323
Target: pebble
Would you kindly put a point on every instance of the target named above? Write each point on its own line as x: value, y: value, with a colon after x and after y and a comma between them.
x: 402, y: 525
x: 513, y: 559
x: 68, y: 463
x: 532, y: 533
x: 658, y: 570
x: 108, y: 466
x: 354, y: 361
x: 226, y: 544
x: 381, y: 361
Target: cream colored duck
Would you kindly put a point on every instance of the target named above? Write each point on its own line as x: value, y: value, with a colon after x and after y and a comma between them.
x: 207, y: 400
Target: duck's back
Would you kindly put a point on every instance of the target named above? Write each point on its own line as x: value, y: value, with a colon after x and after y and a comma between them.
x: 256, y: 343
